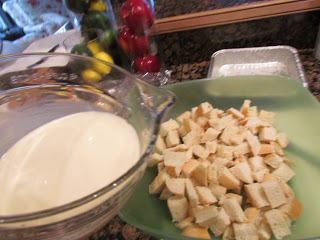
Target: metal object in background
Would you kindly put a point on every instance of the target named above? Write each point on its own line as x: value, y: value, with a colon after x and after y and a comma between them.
x: 275, y: 60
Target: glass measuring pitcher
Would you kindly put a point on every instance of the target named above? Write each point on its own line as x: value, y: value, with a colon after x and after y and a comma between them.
x: 38, y: 88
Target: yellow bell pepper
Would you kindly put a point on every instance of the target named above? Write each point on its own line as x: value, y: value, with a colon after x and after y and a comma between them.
x: 97, y: 5
x: 101, y: 67
x: 90, y: 75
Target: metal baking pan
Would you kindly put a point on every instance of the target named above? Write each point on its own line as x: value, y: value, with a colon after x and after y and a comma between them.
x: 275, y: 60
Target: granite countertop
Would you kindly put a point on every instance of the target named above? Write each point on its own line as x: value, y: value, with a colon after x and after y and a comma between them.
x: 117, y: 229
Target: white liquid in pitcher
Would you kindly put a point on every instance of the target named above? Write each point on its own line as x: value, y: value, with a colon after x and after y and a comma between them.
x: 64, y: 160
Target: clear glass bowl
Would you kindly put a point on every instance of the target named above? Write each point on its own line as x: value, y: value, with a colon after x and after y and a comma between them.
x: 37, y: 88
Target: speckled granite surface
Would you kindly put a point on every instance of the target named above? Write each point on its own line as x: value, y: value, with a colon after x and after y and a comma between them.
x: 169, y: 8
x: 119, y: 230
x: 187, y: 47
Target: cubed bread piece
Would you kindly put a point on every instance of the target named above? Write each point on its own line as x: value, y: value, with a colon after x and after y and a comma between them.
x: 220, y: 223
x: 200, y: 151
x: 205, y: 215
x: 186, y: 114
x: 209, y: 135
x: 225, y: 151
x: 203, y: 108
x: 277, y: 223
x: 259, y: 175
x: 228, y: 180
x: 264, y: 230
x: 178, y: 207
x: 254, y: 143
x: 213, y: 174
x: 288, y: 191
x: 182, y: 131
x: 176, y: 186
x: 187, y: 222
x: 160, y: 145
x: 235, y: 113
x: 220, y: 124
x: 189, y: 154
x: 168, y: 126
x: 217, y: 190
x: 273, y: 160
x: 234, y: 210
x: 219, y: 162
x: 256, y: 163
x: 205, y: 195
x: 228, y: 234
x: 211, y: 146
x: 231, y: 164
x: 165, y: 194
x: 178, y: 148
x: 256, y: 195
x: 266, y: 149
x: 283, y: 172
x: 245, y: 107
x: 174, y: 161
x: 239, y: 189
x: 193, y: 113
x: 189, y: 166
x: 268, y: 134
x: 282, y: 139
x: 192, y: 138
x: 154, y: 159
x: 159, y: 183
x: 241, y: 158
x: 213, y: 113
x: 236, y: 139
x: 243, y: 172
x: 221, y: 113
x: 293, y: 208
x: 245, y: 231
x: 241, y: 149
x: 192, y: 210
x: 172, y: 138
x: 288, y: 162
x: 191, y: 125
x: 252, y: 124
x: 202, y: 121
x: 196, y: 231
x: 160, y: 166
x: 277, y: 148
x: 287, y: 219
x: 231, y: 195
x: 266, y: 116
x: 200, y: 173
x: 252, y: 111
x: 251, y: 214
x: 191, y: 193
x: 274, y: 193
x: 228, y: 133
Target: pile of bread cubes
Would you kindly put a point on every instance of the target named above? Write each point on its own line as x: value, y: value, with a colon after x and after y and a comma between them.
x: 225, y: 172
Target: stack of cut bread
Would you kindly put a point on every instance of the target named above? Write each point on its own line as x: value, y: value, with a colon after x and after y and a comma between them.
x: 225, y: 172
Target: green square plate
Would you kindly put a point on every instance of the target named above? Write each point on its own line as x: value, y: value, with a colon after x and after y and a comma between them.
x: 297, y: 114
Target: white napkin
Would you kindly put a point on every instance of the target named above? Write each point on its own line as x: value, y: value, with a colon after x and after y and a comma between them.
x: 41, y: 46
x: 45, y: 44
